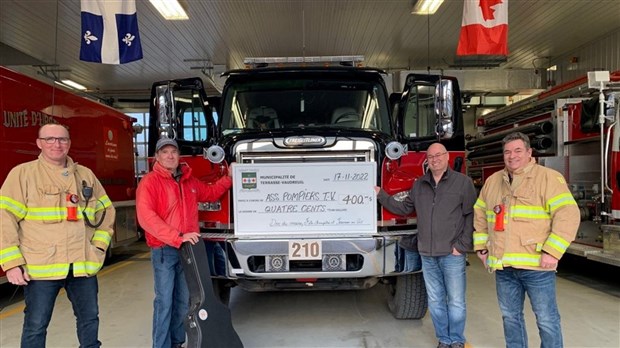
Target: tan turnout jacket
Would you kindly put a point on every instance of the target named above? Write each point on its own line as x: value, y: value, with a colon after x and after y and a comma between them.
x: 35, y: 233
x: 541, y: 215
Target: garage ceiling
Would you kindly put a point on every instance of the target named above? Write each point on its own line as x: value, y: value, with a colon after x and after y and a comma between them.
x: 223, y: 32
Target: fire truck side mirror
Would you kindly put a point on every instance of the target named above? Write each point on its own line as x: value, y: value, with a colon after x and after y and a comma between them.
x: 164, y: 110
x: 444, y: 108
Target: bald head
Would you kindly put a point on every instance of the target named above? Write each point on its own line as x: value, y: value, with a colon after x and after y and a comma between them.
x: 436, y: 147
x: 53, y: 127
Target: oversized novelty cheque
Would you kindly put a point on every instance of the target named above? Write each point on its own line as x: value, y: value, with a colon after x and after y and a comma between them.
x: 279, y: 199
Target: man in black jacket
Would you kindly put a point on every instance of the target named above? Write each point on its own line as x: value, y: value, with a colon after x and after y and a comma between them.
x: 443, y: 201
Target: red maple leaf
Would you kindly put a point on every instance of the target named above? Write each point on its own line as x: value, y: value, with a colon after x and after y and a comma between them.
x: 487, y: 12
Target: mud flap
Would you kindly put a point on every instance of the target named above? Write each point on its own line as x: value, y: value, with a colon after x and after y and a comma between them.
x: 208, y: 323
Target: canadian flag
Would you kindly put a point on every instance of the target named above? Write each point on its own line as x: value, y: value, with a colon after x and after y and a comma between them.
x: 484, y: 30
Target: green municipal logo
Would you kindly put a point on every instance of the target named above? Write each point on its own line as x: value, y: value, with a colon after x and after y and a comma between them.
x: 248, y: 180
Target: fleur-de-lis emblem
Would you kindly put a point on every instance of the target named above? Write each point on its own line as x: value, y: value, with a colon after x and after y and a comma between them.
x: 88, y: 37
x: 128, y: 39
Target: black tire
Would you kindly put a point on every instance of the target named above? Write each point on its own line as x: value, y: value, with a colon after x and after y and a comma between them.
x: 407, y: 296
x: 221, y: 289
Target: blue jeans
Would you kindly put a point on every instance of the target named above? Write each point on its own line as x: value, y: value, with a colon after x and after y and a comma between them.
x: 40, y: 296
x: 171, y: 302
x: 412, y: 261
x: 512, y: 284
x: 217, y: 258
x: 444, y: 277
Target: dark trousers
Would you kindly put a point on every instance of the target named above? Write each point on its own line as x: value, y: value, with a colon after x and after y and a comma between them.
x: 40, y: 296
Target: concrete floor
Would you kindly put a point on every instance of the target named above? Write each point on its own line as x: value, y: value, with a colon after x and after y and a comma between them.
x: 590, y: 315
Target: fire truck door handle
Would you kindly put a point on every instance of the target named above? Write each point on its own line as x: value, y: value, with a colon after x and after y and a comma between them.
x: 458, y: 163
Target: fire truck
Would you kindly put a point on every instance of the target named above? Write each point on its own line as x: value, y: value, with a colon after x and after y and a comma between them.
x: 101, y: 139
x: 310, y: 137
x: 573, y: 128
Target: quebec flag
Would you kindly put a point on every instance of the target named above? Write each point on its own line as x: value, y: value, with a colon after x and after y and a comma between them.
x: 110, y: 32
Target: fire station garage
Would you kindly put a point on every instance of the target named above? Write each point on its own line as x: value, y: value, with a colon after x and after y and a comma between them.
x: 297, y: 173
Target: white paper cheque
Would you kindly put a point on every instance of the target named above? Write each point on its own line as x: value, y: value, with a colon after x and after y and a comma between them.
x: 285, y: 199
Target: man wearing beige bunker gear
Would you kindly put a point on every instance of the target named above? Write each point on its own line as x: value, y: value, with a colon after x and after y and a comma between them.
x: 524, y: 220
x: 56, y: 225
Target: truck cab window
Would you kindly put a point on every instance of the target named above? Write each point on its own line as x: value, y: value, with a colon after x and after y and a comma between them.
x: 420, y: 118
x: 192, y: 121
x: 286, y: 104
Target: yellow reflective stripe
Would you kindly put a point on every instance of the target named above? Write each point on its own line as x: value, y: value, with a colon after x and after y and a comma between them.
x: 47, y: 271
x: 45, y: 213
x: 520, y: 259
x: 560, y: 201
x: 528, y: 211
x: 13, y: 206
x: 514, y: 259
x: 480, y: 204
x: 490, y: 216
x: 102, y: 236
x: 494, y: 262
x: 103, y: 202
x: 60, y: 213
x: 87, y: 267
x: 10, y: 254
x: 90, y: 212
x: 480, y: 238
x: 556, y: 242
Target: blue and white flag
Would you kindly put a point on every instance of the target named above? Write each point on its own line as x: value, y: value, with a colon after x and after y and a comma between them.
x: 110, y: 32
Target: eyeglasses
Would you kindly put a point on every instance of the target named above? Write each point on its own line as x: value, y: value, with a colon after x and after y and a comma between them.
x: 52, y: 140
x: 432, y: 157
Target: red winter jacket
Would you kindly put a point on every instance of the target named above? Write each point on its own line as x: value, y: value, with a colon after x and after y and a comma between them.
x: 167, y: 208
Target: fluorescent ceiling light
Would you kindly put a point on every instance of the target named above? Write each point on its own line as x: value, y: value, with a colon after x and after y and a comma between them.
x: 426, y: 7
x: 71, y: 84
x: 170, y: 9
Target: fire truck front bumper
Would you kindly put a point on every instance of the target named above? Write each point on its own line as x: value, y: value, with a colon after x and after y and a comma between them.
x: 355, y: 260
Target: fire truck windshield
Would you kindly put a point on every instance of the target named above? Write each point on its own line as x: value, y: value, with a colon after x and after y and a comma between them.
x: 303, y: 103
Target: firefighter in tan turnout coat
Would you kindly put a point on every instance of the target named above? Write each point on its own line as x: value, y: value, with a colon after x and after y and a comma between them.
x: 56, y: 225
x: 525, y: 219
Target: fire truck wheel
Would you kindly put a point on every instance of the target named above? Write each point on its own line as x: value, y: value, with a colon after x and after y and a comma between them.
x: 221, y: 289
x: 407, y: 296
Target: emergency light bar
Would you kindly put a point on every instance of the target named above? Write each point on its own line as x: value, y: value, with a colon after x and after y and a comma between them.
x: 262, y: 62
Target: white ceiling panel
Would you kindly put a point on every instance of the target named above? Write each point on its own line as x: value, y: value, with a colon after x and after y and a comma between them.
x: 227, y: 31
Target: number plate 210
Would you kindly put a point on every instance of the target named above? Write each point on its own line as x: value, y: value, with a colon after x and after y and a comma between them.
x: 305, y: 250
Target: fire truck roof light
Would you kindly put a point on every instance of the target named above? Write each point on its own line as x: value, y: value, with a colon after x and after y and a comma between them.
x: 261, y: 61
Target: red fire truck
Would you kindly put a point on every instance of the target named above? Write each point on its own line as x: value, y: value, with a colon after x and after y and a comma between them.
x: 101, y: 139
x: 573, y: 128
x: 285, y: 127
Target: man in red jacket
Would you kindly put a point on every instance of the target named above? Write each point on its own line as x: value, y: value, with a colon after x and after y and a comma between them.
x: 167, y: 206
